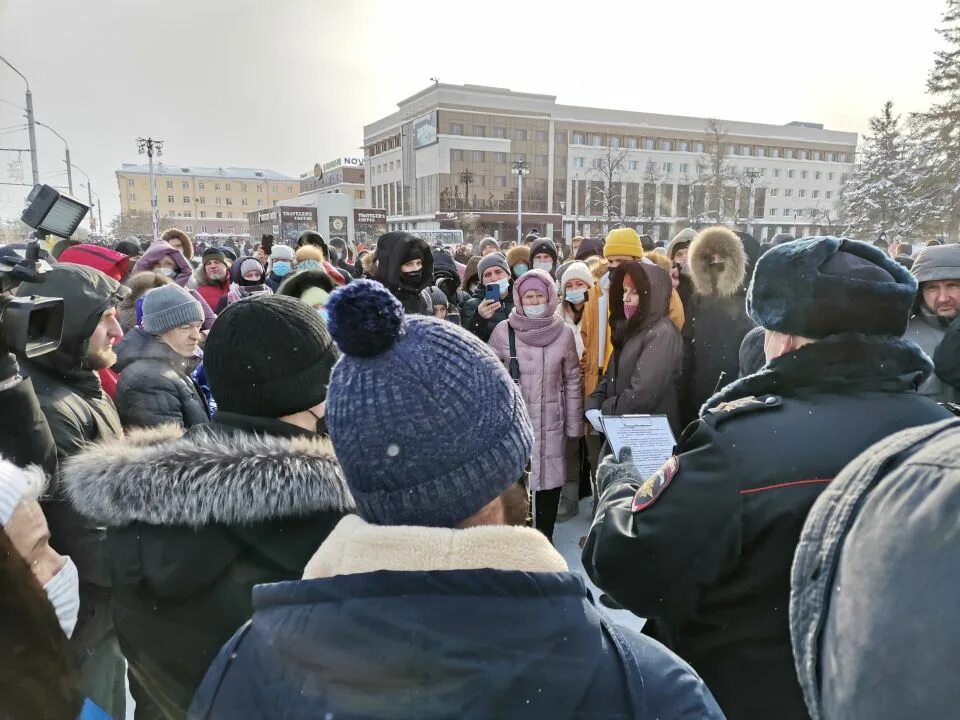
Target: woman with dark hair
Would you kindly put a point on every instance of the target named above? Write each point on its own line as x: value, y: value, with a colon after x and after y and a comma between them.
x: 641, y: 377
x: 403, y: 264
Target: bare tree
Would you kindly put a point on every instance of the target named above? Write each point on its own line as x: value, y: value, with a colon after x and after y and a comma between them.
x: 714, y: 169
x: 606, y: 204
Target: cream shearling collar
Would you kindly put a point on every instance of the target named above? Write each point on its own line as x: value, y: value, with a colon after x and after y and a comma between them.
x: 356, y: 546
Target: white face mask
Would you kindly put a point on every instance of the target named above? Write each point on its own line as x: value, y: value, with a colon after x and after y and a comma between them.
x: 167, y: 272
x: 545, y: 265
x: 534, y: 311
x: 504, y: 286
x: 63, y: 592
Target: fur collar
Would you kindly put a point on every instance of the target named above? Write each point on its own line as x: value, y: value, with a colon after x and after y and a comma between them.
x: 164, y: 476
x: 722, y: 280
x: 844, y: 364
x: 356, y: 547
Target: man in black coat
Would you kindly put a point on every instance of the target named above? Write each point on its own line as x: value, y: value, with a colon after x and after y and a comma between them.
x: 196, y: 518
x: 79, y: 412
x: 480, y: 315
x: 705, y: 545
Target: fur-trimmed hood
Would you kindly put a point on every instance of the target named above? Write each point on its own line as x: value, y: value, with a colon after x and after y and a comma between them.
x: 709, y: 277
x: 208, y: 474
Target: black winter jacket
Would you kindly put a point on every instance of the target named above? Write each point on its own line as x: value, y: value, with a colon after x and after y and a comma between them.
x: 195, y: 519
x: 155, y: 386
x: 392, y: 248
x: 472, y: 321
x: 705, y: 545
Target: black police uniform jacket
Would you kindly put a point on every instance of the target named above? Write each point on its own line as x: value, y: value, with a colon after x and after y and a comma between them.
x: 705, y: 545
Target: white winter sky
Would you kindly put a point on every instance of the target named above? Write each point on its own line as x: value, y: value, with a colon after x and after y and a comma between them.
x: 286, y: 83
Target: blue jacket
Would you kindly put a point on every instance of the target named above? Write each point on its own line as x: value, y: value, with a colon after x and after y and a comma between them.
x: 443, y: 644
x: 875, y: 583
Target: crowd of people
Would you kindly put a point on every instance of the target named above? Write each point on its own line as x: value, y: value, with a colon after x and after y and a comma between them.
x: 323, y: 481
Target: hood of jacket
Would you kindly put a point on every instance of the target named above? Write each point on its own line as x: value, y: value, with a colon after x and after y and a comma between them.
x: 138, y: 344
x: 717, y: 262
x: 391, y: 250
x: 200, y: 278
x: 109, y: 262
x: 295, y: 285
x: 237, y: 278
x: 844, y: 364
x: 207, y: 474
x: 158, y: 251
x: 87, y: 293
x: 445, y: 266
x: 470, y: 274
x: 655, y: 288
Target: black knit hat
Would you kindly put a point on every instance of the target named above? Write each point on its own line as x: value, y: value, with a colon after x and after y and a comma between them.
x: 286, y: 374
x: 213, y: 253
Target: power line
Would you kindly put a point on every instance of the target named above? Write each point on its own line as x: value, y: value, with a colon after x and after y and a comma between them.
x: 14, y: 105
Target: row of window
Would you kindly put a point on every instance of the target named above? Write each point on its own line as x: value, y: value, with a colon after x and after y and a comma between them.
x: 226, y: 186
x: 815, y: 194
x: 519, y: 134
x: 218, y: 201
x: 787, y: 212
x: 383, y: 146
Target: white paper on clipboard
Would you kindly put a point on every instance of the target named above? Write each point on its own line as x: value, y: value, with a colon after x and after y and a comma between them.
x: 649, y: 437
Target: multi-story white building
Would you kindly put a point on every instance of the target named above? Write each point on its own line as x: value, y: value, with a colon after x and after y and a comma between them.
x: 447, y: 156
x: 342, y: 176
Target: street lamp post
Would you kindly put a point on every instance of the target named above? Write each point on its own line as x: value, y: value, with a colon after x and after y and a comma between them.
x: 90, y: 194
x: 520, y: 168
x: 752, y: 176
x: 466, y: 177
x: 66, y: 153
x: 35, y: 170
x: 150, y: 146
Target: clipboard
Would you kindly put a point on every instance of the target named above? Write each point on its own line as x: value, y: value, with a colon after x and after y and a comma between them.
x: 649, y: 437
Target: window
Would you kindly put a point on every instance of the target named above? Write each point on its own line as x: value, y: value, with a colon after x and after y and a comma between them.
x: 790, y: 174
x: 763, y: 172
x: 500, y: 181
x: 230, y: 215
x: 788, y: 154
x: 698, y: 147
x: 788, y: 193
x: 815, y: 155
x: 774, y: 192
x: 815, y: 194
x: 829, y: 176
x: 243, y: 187
x: 500, y: 157
x: 776, y: 172
x: 226, y: 186
x: 803, y: 174
x: 169, y: 184
x: 540, y: 136
x: 187, y: 213
x: 456, y: 129
x: 632, y: 143
x: 243, y: 201
x: 684, y: 168
x: 456, y: 155
x: 560, y: 137
x: 802, y: 193
x: 219, y: 214
x: 773, y: 211
x: 229, y: 201
x: 666, y: 145
x: 129, y: 183
x: 668, y: 167
x: 745, y: 150
x: 633, y: 165
x: 828, y: 194
x: 761, y: 152
x: 200, y: 200
x: 201, y: 186
x: 831, y: 157
x: 203, y: 213
x: 683, y: 146
x: 499, y: 132
x: 578, y: 162
x: 649, y: 144
x: 170, y: 199
x: 816, y: 175
x: 598, y: 163
x: 479, y: 156
x: 479, y: 131
x: 802, y: 155
x: 273, y: 189
x: 596, y: 140
x: 186, y: 199
x: 219, y: 201
x: 520, y: 135
x: 774, y: 152
x: 131, y: 197
x: 786, y: 212
x: 578, y: 138
x: 259, y: 203
x: 613, y: 142
x: 189, y: 227
x: 542, y: 160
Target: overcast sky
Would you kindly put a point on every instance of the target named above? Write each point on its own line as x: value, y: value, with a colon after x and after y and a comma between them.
x: 287, y: 83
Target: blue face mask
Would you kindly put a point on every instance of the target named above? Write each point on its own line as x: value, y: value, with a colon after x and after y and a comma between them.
x: 281, y: 268
x: 576, y: 296
x: 322, y: 312
x: 519, y: 269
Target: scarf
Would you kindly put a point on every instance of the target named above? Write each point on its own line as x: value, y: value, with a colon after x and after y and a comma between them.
x: 538, y: 332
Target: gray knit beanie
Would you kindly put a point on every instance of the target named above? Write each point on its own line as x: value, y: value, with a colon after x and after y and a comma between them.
x: 492, y: 260
x: 395, y: 411
x: 940, y: 262
x: 167, y: 307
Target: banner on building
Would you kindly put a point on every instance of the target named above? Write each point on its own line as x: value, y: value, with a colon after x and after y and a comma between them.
x: 368, y: 225
x: 425, y: 130
x: 338, y: 227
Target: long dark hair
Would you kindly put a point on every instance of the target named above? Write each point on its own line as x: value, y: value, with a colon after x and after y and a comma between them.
x: 621, y: 328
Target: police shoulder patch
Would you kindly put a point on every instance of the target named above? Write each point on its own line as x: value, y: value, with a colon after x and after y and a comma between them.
x: 741, y: 406
x: 653, y: 486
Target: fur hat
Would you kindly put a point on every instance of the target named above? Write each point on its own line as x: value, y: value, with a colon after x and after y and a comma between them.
x: 182, y: 237
x: 821, y: 286
x: 717, y: 262
x: 518, y: 254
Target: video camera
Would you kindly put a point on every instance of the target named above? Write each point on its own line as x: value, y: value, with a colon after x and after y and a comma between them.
x: 33, y: 326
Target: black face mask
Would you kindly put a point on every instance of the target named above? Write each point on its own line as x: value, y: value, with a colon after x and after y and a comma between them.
x: 412, y: 278
x: 449, y: 288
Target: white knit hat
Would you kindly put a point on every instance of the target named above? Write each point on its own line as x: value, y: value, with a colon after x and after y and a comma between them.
x: 15, y: 484
x: 577, y: 271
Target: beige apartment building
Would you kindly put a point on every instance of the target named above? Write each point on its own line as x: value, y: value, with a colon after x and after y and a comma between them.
x: 446, y: 158
x: 203, y: 199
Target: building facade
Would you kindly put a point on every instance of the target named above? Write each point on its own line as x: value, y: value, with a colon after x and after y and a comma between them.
x: 448, y: 157
x: 203, y: 199
x: 342, y: 176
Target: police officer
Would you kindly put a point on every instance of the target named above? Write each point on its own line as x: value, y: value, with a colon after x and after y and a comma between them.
x: 705, y: 545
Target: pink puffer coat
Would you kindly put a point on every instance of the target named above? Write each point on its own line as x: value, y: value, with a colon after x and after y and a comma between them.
x: 550, y: 381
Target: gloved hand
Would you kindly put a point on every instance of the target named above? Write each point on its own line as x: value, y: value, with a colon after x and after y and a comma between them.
x: 593, y: 416
x: 613, y: 471
x: 9, y: 368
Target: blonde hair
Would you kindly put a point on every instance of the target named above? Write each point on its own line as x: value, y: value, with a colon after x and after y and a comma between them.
x: 309, y: 252
x: 597, y: 265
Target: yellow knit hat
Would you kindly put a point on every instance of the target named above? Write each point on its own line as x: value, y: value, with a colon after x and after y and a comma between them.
x: 623, y: 241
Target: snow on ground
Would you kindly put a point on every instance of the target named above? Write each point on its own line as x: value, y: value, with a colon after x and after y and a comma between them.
x: 566, y: 538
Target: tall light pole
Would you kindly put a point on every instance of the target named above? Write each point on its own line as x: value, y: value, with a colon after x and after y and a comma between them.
x: 466, y: 177
x: 66, y: 153
x: 520, y: 168
x: 150, y: 146
x: 93, y: 222
x: 752, y: 176
x: 35, y: 170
